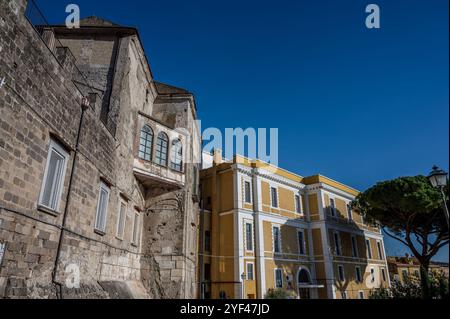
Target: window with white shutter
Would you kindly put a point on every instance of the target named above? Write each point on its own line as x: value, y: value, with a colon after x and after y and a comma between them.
x: 54, y: 174
x: 136, y: 229
x: 121, y: 218
x: 102, y: 208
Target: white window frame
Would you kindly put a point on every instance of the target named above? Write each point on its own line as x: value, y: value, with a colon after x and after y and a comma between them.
x: 359, y: 294
x: 358, y: 274
x: 303, y: 242
x: 277, y: 197
x: 2, y: 252
x: 299, y: 205
x: 176, y: 155
x: 372, y: 274
x: 136, y: 233
x: 380, y: 250
x: 54, y: 146
x: 405, y: 273
x: 369, y: 249
x: 341, y: 279
x: 333, y: 207
x: 279, y: 239
x: 354, y: 244
x: 106, y: 188
x: 337, y: 244
x: 247, y: 272
x: 275, y: 277
x: 250, y: 195
x: 383, y: 274
x: 118, y: 234
x: 246, y: 239
x: 349, y: 212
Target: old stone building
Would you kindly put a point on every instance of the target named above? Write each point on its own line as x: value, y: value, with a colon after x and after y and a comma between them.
x: 98, y: 173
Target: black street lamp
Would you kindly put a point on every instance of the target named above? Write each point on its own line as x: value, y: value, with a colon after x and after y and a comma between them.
x: 438, y: 178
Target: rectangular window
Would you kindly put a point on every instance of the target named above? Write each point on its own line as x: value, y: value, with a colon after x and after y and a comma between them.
x: 53, y: 177
x: 278, y: 278
x: 417, y: 274
x: 332, y: 207
x: 372, y: 275
x: 383, y: 274
x: 2, y: 252
x: 121, y: 217
x: 369, y: 249
x: 276, y: 239
x: 102, y: 208
x: 136, y: 229
x: 248, y: 192
x: 274, y: 197
x: 361, y: 294
x: 208, y: 241
x: 298, y: 207
x: 405, y: 274
x: 207, y: 272
x: 248, y: 236
x: 250, y: 271
x: 343, y: 295
x: 358, y: 274
x: 301, y: 243
x: 341, y: 273
x: 354, y: 247
x: 349, y: 212
x: 380, y: 250
x: 337, y: 244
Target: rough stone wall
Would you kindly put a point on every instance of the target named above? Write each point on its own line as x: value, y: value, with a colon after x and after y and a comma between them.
x: 38, y: 102
x: 26, y: 107
x: 173, y: 218
x: 42, y: 101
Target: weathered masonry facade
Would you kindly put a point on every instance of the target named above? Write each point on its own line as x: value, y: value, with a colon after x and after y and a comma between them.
x: 96, y: 174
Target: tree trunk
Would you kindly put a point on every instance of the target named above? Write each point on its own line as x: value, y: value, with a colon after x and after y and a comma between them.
x: 425, y: 279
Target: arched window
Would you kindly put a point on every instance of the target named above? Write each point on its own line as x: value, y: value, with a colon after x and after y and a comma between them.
x: 146, y: 144
x: 162, y: 145
x: 303, y: 277
x: 176, y: 157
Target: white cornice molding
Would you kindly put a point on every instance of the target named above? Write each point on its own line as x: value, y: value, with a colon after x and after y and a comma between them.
x: 334, y: 190
x: 267, y: 175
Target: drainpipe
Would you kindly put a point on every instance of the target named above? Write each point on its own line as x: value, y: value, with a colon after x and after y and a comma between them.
x: 202, y: 246
x: 84, y: 106
x: 202, y: 231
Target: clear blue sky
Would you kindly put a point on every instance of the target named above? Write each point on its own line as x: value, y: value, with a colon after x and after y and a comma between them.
x: 357, y: 105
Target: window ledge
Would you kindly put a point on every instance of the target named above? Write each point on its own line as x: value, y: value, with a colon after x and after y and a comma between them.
x: 47, y: 210
x: 99, y: 232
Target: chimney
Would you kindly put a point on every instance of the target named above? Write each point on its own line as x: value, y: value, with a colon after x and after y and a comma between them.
x: 217, y: 157
x: 48, y: 35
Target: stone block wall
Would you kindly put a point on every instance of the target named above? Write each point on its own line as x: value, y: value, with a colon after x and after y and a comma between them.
x: 40, y: 102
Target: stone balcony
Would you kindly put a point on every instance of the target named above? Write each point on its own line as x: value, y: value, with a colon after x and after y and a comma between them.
x: 155, y: 178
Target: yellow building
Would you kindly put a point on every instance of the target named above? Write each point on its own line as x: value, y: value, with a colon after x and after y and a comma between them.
x: 266, y: 228
x: 407, y: 268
